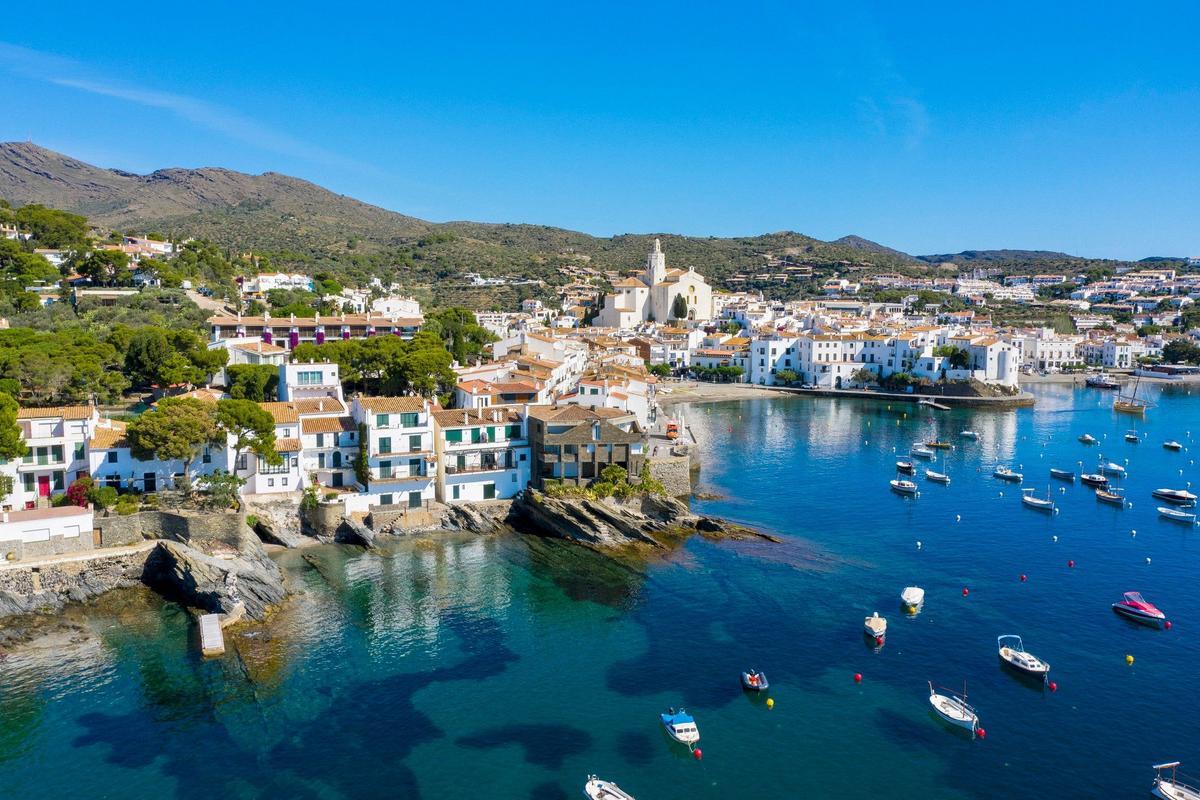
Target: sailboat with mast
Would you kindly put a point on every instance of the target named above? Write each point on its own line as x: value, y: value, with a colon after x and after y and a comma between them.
x: 937, y: 477
x: 1131, y: 403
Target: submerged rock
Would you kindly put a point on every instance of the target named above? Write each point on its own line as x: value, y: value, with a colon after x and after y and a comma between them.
x: 475, y: 518
x: 604, y: 523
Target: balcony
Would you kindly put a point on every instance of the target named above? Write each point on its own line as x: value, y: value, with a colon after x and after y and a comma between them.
x: 410, y: 453
x: 398, y: 474
x: 487, y: 466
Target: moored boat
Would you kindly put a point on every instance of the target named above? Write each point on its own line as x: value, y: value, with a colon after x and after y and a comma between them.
x: 1170, y: 787
x: 1139, y: 609
x: 1171, y: 444
x: 919, y: 450
x: 875, y: 626
x: 1062, y: 474
x: 1037, y: 503
x: 1113, y: 496
x: 937, y: 477
x: 600, y: 789
x: 953, y: 708
x: 939, y: 445
x: 1102, y: 381
x: 1093, y: 479
x: 1179, y: 497
x: 755, y: 680
x: 912, y: 597
x: 680, y: 726
x: 1132, y: 436
x: 1006, y: 474
x: 1113, y: 468
x: 1175, y: 515
x: 1012, y: 652
x: 900, y: 486
x: 1087, y: 438
x: 905, y: 467
x: 1131, y: 403
x: 969, y: 434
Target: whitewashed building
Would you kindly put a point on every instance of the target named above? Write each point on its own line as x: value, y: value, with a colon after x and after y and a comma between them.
x: 484, y: 453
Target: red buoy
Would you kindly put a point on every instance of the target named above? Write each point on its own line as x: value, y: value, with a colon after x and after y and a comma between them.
x: 1022, y: 577
x: 858, y: 677
x: 1167, y: 624
x: 981, y: 733
x: 1071, y: 563
x: 1053, y: 686
x: 879, y: 640
x: 697, y: 754
x: 966, y: 591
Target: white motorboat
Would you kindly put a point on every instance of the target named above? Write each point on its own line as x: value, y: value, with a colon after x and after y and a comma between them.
x: 921, y: 450
x: 1006, y: 474
x: 1093, y: 479
x: 1012, y: 652
x: 1171, y: 444
x: 953, y: 708
x: 680, y: 726
x: 1037, y: 503
x: 900, y: 486
x: 875, y: 626
x: 1179, y: 497
x: 1113, y: 468
x: 1062, y: 474
x: 1132, y: 437
x: 937, y: 477
x: 1169, y: 787
x: 600, y: 789
x: 1087, y: 438
x: 1175, y: 515
x: 912, y: 597
x: 969, y: 434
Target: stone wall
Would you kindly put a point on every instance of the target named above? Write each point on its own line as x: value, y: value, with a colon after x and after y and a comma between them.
x: 674, y: 473
x: 47, y: 588
x: 223, y: 526
x: 15, y: 550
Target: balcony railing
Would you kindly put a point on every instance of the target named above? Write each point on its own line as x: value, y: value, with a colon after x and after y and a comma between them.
x: 455, y: 469
x: 399, y: 473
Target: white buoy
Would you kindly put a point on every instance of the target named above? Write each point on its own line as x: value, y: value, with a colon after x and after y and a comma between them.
x: 1147, y: 559
x: 1002, y: 494
x: 918, y: 544
x: 1133, y: 532
x: 958, y: 517
x: 1054, y: 538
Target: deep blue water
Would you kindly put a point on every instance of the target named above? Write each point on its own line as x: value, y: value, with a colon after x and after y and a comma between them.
x: 510, y: 667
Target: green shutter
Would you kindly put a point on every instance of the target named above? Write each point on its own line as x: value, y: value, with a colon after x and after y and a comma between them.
x: 454, y: 436
x: 408, y: 420
x: 513, y: 431
x: 476, y: 435
x: 381, y: 420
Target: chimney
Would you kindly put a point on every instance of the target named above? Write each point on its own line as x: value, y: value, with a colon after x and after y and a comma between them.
x: 464, y: 416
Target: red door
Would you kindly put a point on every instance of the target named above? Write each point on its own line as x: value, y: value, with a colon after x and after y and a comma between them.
x: 43, y: 485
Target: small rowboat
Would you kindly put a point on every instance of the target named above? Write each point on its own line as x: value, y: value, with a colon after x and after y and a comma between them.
x: 1037, y: 503
x: 905, y: 467
x: 1062, y: 474
x: 903, y: 487
x: 1087, y: 438
x: 875, y: 626
x: 680, y: 726
x: 1175, y: 515
x: 1172, y: 445
x: 1013, y: 653
x: 937, y: 477
x: 1139, y: 609
x: 1093, y: 479
x: 952, y: 707
x: 755, y: 681
x: 599, y: 789
x: 1113, y: 497
x: 1179, y: 497
x: 940, y: 445
x: 1006, y: 474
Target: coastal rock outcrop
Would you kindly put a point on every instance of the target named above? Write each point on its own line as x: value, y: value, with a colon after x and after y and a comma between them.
x: 276, y: 521
x: 603, y: 523
x: 215, y: 583
x: 48, y: 588
x: 475, y: 518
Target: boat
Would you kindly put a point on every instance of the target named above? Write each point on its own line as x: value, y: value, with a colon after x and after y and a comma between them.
x: 1171, y: 444
x: 1006, y: 474
x: 969, y: 434
x: 1062, y: 474
x: 1131, y: 403
x: 900, y: 486
x: 755, y: 681
x: 1113, y: 496
x: 1175, y: 515
x: 1087, y: 438
x: 905, y: 467
x: 939, y: 445
x: 1180, y: 497
x: 1132, y: 436
x: 953, y: 708
x: 1037, y: 503
x: 1012, y: 652
x: 1093, y: 479
x: 680, y: 726
x: 912, y: 597
x: 600, y: 789
x: 1112, y: 468
x: 920, y: 451
x: 937, y: 477
x: 1102, y: 381
x: 875, y: 626
x: 1139, y: 609
x: 1170, y: 787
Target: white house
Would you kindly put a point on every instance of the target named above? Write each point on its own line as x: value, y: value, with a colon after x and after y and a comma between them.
x: 57, y: 439
x: 45, y: 531
x: 401, y: 461
x: 484, y: 453
x: 652, y: 296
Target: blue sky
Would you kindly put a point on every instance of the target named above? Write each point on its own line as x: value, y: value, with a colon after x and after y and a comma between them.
x: 928, y: 127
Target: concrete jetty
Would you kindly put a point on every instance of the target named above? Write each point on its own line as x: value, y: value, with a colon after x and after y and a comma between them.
x: 212, y: 639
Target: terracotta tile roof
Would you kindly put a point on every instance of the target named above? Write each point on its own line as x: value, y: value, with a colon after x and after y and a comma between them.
x: 629, y: 283
x: 392, y: 405
x: 54, y: 412
x: 516, y: 387
x: 287, y: 445
x: 574, y: 413
x: 109, y: 436
x: 326, y: 425
x: 260, y: 347
x: 461, y: 417
x: 318, y: 405
x: 281, y: 412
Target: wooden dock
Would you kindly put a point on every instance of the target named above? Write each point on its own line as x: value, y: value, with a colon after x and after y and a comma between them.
x: 212, y: 639
x: 933, y: 404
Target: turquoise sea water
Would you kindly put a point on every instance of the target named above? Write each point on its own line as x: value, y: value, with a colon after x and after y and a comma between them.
x: 510, y: 667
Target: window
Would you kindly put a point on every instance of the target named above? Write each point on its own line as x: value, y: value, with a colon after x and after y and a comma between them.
x: 456, y: 492
x: 414, y: 442
x: 385, y: 499
x: 267, y: 469
x: 27, y: 480
x: 409, y: 420
x: 320, y: 461
x: 79, y: 451
x: 56, y: 453
x: 59, y: 482
x: 476, y: 435
x: 414, y: 467
x: 320, y: 440
x: 454, y: 436
x: 285, y: 481
x: 111, y: 458
x: 385, y: 469
x: 489, y: 491
x: 385, y: 444
x: 414, y: 499
x: 381, y: 420
x: 207, y: 457
x: 270, y: 482
x: 308, y: 378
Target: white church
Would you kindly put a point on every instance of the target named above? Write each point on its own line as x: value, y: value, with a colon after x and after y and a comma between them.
x: 652, y: 296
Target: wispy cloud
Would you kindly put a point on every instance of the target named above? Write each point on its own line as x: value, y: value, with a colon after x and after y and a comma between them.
x: 71, y: 74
